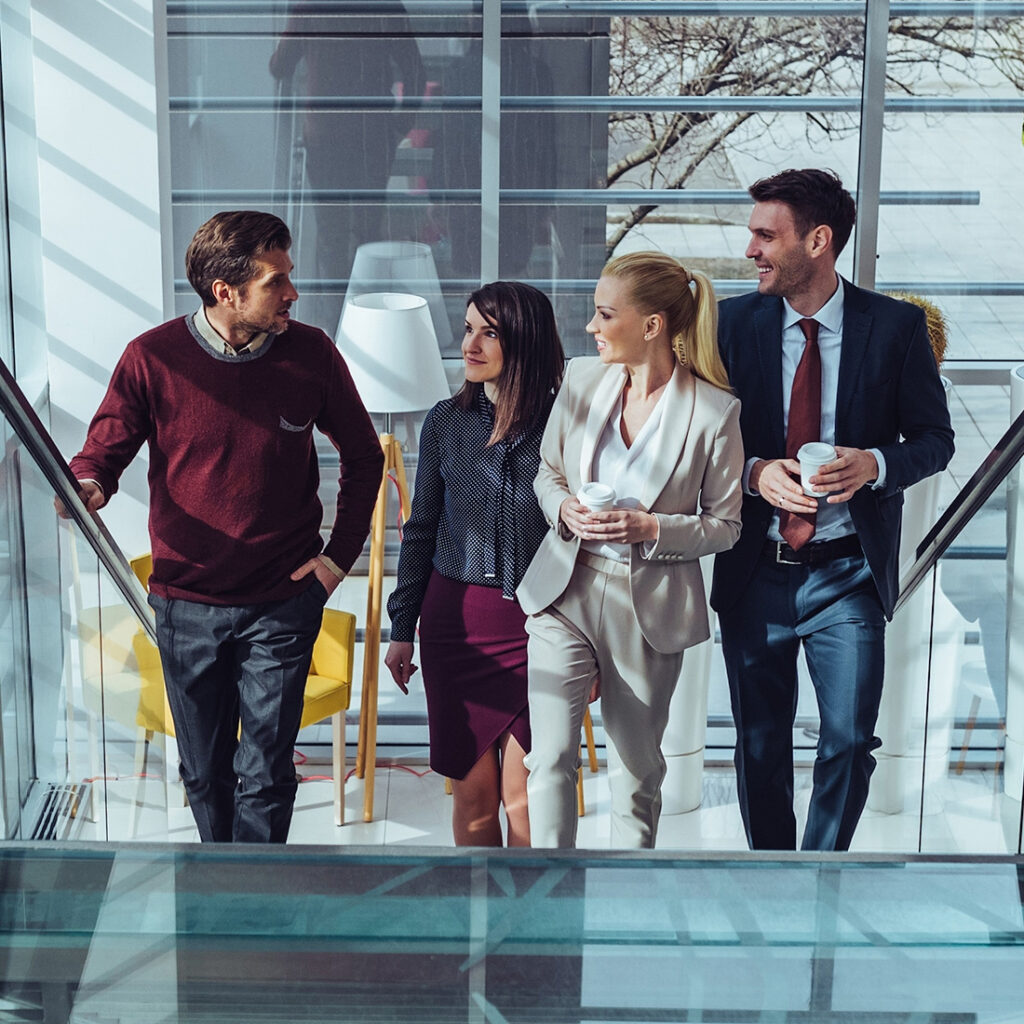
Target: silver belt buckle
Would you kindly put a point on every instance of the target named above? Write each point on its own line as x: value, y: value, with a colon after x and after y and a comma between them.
x: 779, y: 560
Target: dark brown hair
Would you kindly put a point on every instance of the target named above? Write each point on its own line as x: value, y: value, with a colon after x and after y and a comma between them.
x: 531, y: 352
x: 815, y: 197
x: 228, y: 246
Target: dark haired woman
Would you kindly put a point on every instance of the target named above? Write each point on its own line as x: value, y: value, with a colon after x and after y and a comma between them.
x: 474, y: 527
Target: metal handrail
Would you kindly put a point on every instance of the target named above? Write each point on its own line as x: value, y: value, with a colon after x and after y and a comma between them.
x: 597, y: 8
x: 689, y: 103
x: 539, y: 196
x: 994, y: 469
x: 723, y: 286
x: 40, y: 446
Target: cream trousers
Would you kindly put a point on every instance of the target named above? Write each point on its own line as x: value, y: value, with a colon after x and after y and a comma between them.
x: 589, y: 631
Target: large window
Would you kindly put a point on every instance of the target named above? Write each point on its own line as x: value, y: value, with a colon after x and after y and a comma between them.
x: 953, y: 126
x: 532, y: 140
x: 360, y: 128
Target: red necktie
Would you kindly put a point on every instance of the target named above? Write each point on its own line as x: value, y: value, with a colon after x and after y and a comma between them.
x: 797, y: 528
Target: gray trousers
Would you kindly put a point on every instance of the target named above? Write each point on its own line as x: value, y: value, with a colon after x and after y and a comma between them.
x: 230, y: 665
x: 589, y: 631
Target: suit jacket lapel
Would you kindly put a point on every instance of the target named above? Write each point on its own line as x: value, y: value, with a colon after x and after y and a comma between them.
x: 856, y: 336
x: 670, y: 439
x: 606, y: 394
x: 768, y: 337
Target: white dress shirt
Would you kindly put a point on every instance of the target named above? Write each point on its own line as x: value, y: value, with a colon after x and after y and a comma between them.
x: 833, y: 521
x: 625, y: 469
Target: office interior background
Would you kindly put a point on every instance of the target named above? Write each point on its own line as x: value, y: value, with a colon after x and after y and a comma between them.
x: 530, y: 140
x: 516, y: 140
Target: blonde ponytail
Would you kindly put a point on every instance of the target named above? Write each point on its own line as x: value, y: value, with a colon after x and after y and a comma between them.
x: 696, y: 345
x: 658, y: 283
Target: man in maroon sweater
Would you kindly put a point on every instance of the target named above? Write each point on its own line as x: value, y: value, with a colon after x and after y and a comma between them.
x: 226, y: 400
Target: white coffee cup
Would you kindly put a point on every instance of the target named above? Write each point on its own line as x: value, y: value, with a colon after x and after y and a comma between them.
x: 813, y: 456
x: 597, y: 497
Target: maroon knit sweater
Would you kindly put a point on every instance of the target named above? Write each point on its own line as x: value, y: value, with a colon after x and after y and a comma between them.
x: 233, y: 473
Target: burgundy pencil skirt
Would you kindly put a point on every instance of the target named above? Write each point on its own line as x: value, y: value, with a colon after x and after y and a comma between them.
x: 473, y: 654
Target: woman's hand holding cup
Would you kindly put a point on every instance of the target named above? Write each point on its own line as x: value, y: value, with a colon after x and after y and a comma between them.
x: 596, y: 497
x: 576, y: 512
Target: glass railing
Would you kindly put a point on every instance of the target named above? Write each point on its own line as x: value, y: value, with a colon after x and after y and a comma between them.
x: 949, y: 776
x: 31, y: 748
x: 207, y: 934
x: 85, y: 715
x: 952, y: 716
x: 45, y: 455
x: 116, y: 717
x: 985, y: 483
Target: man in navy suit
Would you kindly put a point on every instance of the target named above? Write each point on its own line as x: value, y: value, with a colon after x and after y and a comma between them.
x: 812, y: 357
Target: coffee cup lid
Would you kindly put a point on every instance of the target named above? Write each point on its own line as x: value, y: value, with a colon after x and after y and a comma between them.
x: 816, y: 450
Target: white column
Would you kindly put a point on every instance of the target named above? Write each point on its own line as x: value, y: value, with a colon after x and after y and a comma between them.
x: 898, y: 773
x: 1013, y: 766
x: 685, y: 735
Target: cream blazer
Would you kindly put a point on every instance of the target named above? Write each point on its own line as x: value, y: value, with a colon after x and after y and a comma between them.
x: 695, y: 490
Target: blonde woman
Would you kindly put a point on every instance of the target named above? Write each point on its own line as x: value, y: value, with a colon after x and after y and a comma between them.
x: 618, y: 595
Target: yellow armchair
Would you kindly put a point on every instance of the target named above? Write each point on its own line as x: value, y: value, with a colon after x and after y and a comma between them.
x: 328, y: 691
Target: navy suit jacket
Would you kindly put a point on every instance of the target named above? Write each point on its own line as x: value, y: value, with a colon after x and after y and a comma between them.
x: 890, y: 397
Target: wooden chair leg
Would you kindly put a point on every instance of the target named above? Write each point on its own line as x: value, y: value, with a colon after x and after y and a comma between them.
x: 361, y: 741
x: 370, y: 755
x: 371, y: 647
x: 588, y: 731
x: 338, y: 758
x: 448, y: 787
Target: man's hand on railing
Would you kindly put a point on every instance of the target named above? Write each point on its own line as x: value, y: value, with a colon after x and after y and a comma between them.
x: 92, y: 497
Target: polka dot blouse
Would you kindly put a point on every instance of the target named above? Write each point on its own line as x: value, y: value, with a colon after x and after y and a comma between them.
x: 475, y: 517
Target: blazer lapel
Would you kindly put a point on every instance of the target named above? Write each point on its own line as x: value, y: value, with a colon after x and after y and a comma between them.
x: 856, y: 337
x: 670, y: 439
x: 606, y: 394
x: 768, y: 338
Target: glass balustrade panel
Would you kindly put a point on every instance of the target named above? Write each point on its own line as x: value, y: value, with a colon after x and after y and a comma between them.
x: 120, y: 745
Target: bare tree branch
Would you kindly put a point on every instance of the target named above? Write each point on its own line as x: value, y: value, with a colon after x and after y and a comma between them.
x: 718, y: 56
x: 640, y: 213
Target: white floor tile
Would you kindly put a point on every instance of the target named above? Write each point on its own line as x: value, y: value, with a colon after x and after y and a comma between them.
x: 967, y: 814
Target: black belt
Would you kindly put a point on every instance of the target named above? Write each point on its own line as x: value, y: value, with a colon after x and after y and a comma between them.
x: 814, y: 553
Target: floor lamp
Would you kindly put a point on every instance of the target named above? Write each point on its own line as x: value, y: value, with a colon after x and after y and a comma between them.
x: 388, y: 341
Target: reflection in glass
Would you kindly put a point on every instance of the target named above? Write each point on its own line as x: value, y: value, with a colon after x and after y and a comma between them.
x: 181, y: 934
x: 964, y: 71
x: 342, y: 149
x: 118, y: 720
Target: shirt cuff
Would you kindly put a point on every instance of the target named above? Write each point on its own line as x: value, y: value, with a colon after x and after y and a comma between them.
x: 647, y: 546
x: 747, y: 489
x: 880, y: 459
x: 332, y: 566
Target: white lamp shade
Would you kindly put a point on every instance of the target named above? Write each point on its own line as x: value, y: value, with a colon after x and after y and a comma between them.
x: 400, y: 266
x: 388, y: 341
